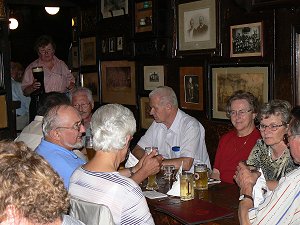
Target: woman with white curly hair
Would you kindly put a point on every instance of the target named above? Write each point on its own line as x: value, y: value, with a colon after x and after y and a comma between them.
x: 98, y: 181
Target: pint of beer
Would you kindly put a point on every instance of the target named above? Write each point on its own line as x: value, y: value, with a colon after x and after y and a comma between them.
x: 201, y: 176
x: 152, y: 184
x: 186, y: 186
x: 38, y: 74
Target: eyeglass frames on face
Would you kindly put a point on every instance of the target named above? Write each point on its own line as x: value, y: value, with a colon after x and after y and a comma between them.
x: 241, y: 112
x: 76, y: 126
x: 272, y: 127
x: 46, y: 51
x: 83, y: 106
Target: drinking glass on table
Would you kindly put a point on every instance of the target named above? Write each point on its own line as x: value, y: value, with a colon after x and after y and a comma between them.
x: 89, y: 147
x: 186, y: 186
x: 201, y: 176
x: 152, y: 184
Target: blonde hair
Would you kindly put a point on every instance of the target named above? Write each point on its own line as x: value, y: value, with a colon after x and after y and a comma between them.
x: 28, y: 183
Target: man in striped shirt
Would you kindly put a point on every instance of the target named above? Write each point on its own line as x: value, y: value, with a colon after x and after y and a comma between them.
x: 283, y: 205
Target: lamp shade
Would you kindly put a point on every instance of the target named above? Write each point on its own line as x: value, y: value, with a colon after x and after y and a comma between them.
x: 52, y: 10
x: 13, y: 23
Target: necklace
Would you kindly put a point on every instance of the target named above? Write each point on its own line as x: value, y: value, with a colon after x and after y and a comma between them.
x: 242, y: 146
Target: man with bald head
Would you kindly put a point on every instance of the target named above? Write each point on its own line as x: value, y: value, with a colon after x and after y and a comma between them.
x: 62, y: 130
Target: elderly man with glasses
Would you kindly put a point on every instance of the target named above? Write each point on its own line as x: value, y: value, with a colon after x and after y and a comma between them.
x: 62, y: 129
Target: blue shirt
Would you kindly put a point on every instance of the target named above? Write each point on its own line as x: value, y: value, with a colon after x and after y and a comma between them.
x: 17, y: 95
x: 62, y: 160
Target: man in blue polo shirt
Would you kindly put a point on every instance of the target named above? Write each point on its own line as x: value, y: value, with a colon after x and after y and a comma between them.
x: 62, y: 129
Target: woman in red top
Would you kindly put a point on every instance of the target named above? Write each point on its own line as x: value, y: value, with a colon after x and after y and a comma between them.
x: 236, y: 145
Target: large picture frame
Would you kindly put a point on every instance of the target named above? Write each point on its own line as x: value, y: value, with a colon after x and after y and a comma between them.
x: 88, y: 51
x: 91, y: 81
x: 154, y: 76
x: 225, y: 80
x: 191, y: 88
x: 114, y: 8
x: 146, y: 118
x: 197, y: 26
x: 246, y: 40
x: 118, y: 82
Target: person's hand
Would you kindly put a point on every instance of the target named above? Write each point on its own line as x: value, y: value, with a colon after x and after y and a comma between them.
x: 244, y: 177
x: 35, y: 85
x: 151, y: 163
x: 71, y: 86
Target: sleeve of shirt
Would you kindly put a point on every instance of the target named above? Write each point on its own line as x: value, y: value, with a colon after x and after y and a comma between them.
x: 282, y: 206
x: 253, y: 158
x: 67, y: 73
x: 193, y: 142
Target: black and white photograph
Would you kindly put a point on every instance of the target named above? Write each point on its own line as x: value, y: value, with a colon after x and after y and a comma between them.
x: 153, y: 77
x: 246, y: 40
x: 191, y: 88
x: 119, y: 43
x: 112, y: 8
x: 112, y: 44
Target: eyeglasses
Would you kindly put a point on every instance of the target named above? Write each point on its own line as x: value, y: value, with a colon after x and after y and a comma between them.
x: 45, y: 51
x: 241, y: 112
x: 76, y: 126
x: 272, y: 127
x: 83, y: 106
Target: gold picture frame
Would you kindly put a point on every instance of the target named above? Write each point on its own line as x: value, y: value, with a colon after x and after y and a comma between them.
x: 118, y: 82
x: 197, y: 26
x: 88, y: 51
x: 226, y: 80
x: 246, y: 40
x: 91, y: 81
x: 146, y: 118
x: 191, y: 88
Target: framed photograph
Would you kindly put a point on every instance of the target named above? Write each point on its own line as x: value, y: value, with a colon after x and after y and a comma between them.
x: 246, y: 40
x: 119, y: 43
x: 75, y: 57
x: 118, y: 82
x: 104, y: 45
x: 226, y: 80
x: 112, y: 44
x: 197, y: 26
x: 91, y: 81
x: 191, y: 88
x: 154, y: 76
x: 146, y: 118
x: 111, y: 8
x: 88, y: 51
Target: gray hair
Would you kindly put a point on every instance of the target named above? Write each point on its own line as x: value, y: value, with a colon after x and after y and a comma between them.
x: 166, y: 95
x: 110, y: 125
x: 239, y: 95
x: 82, y: 90
x: 278, y: 108
x: 51, y: 119
x: 294, y: 126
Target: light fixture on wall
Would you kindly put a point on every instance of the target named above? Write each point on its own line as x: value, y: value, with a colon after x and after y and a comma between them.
x: 13, y: 23
x: 52, y: 10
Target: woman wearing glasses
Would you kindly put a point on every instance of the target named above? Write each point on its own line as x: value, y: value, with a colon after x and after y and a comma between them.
x: 57, y: 76
x: 236, y: 145
x: 271, y: 153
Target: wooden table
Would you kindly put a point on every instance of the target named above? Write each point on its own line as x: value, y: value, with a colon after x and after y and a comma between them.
x: 223, y: 194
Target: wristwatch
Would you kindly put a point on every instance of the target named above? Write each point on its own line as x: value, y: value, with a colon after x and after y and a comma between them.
x: 243, y: 196
x: 131, y: 171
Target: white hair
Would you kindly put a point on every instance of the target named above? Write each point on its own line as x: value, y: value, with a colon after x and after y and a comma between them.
x: 110, y: 125
x: 82, y: 90
x: 166, y: 95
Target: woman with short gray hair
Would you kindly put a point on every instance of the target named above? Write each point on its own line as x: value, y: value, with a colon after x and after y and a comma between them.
x: 98, y: 181
x: 271, y: 153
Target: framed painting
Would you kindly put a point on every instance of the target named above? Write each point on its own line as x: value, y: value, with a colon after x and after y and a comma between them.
x: 118, y: 82
x: 91, y: 81
x: 88, y: 51
x: 111, y: 8
x: 154, y: 76
x: 119, y: 43
x: 191, y: 88
x: 246, y: 40
x: 112, y: 44
x: 225, y: 80
x: 196, y: 26
x: 146, y: 118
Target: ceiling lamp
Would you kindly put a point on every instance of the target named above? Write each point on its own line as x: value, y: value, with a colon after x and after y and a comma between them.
x: 52, y: 10
x: 13, y: 23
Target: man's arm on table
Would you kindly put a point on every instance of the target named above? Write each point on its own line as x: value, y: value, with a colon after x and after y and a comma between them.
x: 138, y: 152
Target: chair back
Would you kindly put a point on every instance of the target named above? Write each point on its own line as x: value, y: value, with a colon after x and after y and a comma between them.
x: 90, y: 213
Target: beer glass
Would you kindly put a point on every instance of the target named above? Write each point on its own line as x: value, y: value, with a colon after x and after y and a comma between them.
x: 186, y: 186
x: 38, y: 74
x: 89, y: 147
x: 201, y: 176
x: 152, y: 184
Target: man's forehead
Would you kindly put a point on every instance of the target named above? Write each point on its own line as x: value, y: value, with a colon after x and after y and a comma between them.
x: 69, y: 114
